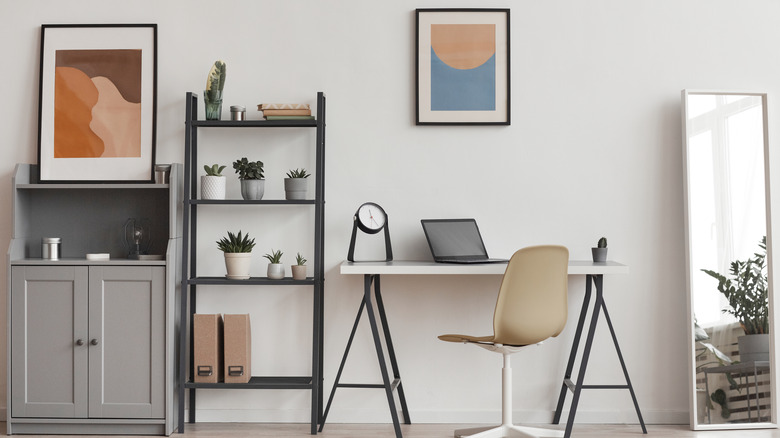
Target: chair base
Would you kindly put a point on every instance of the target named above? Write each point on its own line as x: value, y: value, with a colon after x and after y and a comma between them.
x: 509, y: 431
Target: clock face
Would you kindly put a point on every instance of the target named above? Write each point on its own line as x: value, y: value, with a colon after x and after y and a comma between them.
x: 371, y: 217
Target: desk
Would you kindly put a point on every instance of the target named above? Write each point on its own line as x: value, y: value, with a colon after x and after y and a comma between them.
x: 372, y: 271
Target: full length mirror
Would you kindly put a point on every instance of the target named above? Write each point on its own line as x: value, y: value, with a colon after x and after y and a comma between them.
x: 725, y: 154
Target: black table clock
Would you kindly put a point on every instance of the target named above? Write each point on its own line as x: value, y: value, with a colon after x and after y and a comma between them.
x: 370, y: 218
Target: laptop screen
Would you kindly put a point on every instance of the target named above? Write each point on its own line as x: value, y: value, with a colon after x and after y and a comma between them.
x: 454, y: 238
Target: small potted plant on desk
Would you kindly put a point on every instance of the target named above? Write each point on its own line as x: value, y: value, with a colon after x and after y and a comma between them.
x: 600, y: 251
x: 748, y: 299
x: 295, y: 184
x: 238, y: 253
x: 275, y: 267
x: 212, y: 184
x: 251, y: 175
x: 299, y: 268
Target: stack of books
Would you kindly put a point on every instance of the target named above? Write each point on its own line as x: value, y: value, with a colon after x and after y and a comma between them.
x: 285, y: 111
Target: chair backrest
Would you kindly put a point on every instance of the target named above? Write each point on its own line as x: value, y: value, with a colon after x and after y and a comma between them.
x: 532, y: 301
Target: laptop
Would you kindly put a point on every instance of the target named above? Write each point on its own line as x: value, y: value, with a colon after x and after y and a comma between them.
x: 456, y: 241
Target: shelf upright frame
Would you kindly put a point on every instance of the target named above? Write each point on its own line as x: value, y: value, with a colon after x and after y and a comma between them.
x: 190, y: 279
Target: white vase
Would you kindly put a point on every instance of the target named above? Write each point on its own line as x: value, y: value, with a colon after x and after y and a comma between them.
x: 237, y: 265
x: 298, y: 272
x: 212, y: 187
x: 275, y: 271
x: 295, y: 188
x: 252, y: 188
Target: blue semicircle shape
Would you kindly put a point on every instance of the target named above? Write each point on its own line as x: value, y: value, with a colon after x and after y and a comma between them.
x: 453, y: 89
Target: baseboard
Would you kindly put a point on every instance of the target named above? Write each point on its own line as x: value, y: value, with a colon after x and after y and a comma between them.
x: 368, y: 416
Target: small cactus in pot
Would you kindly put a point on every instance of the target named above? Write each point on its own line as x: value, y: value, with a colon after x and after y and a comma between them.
x: 600, y: 250
x: 299, y: 268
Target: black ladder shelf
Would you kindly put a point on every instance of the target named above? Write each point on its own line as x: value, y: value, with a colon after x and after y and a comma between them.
x: 190, y: 280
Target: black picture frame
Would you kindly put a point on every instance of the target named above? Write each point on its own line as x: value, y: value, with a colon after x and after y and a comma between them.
x: 97, y: 103
x: 454, y: 87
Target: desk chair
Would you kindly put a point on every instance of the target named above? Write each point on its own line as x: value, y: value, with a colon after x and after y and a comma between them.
x: 531, y: 307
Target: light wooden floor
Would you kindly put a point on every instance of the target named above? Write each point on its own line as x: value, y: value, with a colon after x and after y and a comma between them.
x: 249, y: 430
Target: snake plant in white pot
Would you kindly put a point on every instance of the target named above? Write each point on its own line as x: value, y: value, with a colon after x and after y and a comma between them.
x: 238, y: 254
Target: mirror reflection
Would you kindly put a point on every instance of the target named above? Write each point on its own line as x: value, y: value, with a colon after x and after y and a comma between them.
x: 725, y: 147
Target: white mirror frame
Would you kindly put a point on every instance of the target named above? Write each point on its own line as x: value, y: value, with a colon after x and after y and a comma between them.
x: 695, y: 425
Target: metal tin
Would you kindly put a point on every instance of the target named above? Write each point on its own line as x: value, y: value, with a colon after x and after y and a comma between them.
x: 51, y: 248
x: 162, y: 173
x: 237, y: 112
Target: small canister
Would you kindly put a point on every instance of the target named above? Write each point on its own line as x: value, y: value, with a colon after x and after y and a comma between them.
x: 237, y: 112
x: 162, y: 173
x: 50, y: 248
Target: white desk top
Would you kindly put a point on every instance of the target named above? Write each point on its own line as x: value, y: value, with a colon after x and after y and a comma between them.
x: 410, y: 267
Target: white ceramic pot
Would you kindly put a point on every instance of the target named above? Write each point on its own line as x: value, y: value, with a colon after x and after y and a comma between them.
x: 298, y: 272
x: 295, y: 188
x: 237, y: 265
x: 212, y: 187
x: 275, y: 271
x: 252, y: 189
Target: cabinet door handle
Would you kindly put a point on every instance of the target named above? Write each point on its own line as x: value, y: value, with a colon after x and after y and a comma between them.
x: 79, y: 342
x: 94, y: 342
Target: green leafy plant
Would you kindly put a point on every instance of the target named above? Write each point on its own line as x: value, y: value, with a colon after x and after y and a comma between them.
x: 299, y: 260
x: 248, y: 169
x: 602, y: 243
x: 215, y: 170
x: 297, y: 173
x: 746, y: 291
x: 216, y: 78
x: 275, y: 256
x: 236, y: 243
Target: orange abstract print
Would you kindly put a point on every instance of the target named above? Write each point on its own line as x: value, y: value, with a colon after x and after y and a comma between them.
x: 97, y: 108
x: 463, y: 46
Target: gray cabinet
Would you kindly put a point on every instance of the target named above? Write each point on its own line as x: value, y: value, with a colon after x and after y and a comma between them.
x: 92, y: 343
x: 87, y: 341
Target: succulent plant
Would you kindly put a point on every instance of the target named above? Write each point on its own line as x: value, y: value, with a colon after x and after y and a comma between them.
x: 236, y: 243
x: 275, y: 256
x: 602, y: 243
x: 215, y: 170
x: 299, y: 260
x: 216, y: 79
x: 248, y: 169
x: 297, y: 173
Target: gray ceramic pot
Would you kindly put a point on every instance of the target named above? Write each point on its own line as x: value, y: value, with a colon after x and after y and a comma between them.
x: 252, y: 188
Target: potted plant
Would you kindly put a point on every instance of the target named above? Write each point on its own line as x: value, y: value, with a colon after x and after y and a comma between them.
x: 212, y: 96
x: 212, y: 184
x: 251, y: 175
x: 746, y: 292
x: 299, y: 268
x: 600, y: 251
x: 295, y: 184
x: 238, y: 253
x: 275, y: 267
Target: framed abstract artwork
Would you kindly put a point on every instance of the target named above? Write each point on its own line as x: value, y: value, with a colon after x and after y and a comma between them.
x: 462, y: 67
x: 97, y: 103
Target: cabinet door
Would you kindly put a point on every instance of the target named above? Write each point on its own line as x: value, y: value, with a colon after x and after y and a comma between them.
x: 48, y: 316
x: 126, y: 336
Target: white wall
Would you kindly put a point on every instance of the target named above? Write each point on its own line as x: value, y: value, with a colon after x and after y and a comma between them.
x: 594, y: 149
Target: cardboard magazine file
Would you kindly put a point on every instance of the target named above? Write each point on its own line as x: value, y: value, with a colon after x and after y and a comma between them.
x: 207, y: 348
x: 238, y: 349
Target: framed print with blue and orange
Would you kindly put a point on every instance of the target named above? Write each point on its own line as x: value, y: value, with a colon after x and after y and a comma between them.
x: 97, y: 103
x: 462, y: 67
